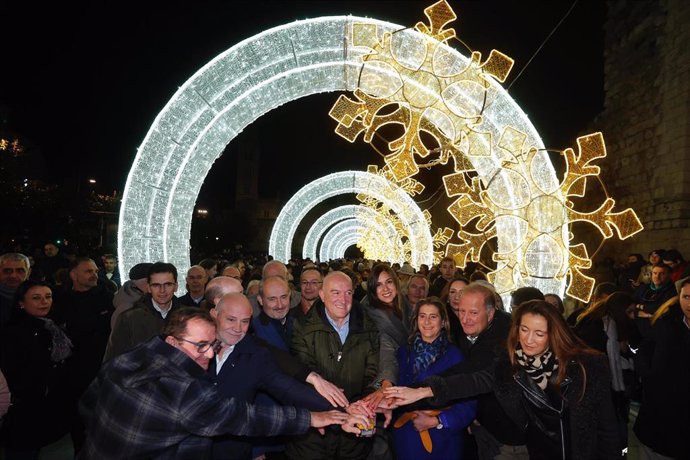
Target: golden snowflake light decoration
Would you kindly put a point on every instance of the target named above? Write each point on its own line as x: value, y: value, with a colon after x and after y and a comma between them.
x: 504, y: 185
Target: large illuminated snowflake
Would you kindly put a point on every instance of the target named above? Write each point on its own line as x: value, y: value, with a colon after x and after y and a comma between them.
x: 504, y: 183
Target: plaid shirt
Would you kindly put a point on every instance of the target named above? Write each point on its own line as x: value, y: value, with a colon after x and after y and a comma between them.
x: 154, y: 402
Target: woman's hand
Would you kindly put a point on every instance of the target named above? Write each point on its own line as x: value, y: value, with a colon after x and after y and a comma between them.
x: 403, y: 395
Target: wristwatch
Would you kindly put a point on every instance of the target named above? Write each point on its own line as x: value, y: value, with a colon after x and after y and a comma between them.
x: 440, y: 423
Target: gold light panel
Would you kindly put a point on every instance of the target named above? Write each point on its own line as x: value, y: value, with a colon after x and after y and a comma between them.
x: 419, y: 87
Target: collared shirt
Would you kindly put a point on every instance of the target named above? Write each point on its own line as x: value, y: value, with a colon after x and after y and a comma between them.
x: 343, y: 330
x: 164, y: 313
x: 220, y: 360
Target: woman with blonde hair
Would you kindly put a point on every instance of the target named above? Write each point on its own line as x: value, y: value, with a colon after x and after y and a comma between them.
x: 557, y: 387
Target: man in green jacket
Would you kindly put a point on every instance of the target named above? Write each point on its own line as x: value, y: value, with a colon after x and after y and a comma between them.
x: 339, y: 341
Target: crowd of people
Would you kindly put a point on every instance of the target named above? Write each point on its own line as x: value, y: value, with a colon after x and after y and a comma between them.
x: 345, y: 359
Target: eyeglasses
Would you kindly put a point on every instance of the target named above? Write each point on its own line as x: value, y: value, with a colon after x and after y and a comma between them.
x: 201, y: 347
x: 165, y: 286
x: 311, y: 283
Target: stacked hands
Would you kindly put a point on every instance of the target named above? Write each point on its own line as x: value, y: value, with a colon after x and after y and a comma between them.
x: 359, y: 416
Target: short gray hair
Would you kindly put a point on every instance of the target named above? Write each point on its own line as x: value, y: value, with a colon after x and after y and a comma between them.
x: 17, y: 257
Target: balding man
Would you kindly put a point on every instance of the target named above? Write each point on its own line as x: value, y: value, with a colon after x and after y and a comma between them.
x: 14, y: 270
x: 310, y: 284
x: 243, y: 368
x: 218, y: 287
x: 340, y: 341
x: 232, y: 272
x: 196, y: 284
x: 274, y: 324
x: 274, y: 268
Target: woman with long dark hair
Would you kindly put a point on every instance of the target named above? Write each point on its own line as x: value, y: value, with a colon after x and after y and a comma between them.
x: 451, y: 295
x: 32, y: 358
x: 608, y: 325
x: 557, y: 387
x: 430, y: 434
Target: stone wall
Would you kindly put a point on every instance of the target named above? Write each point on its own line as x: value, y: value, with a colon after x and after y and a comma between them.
x: 646, y: 121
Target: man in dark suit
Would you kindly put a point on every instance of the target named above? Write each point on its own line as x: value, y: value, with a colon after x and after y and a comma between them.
x: 243, y: 367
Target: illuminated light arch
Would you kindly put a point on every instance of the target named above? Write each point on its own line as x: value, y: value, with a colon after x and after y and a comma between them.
x: 232, y: 91
x: 328, y: 219
x: 340, y: 237
x: 357, y: 182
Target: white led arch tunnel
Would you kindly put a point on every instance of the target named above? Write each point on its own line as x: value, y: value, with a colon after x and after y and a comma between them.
x: 348, y: 182
x: 331, y: 217
x: 240, y: 85
x: 340, y: 237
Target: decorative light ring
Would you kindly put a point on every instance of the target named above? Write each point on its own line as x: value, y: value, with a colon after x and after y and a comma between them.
x: 346, y: 182
x: 340, y: 237
x: 233, y: 90
x: 347, y: 233
x: 323, y: 223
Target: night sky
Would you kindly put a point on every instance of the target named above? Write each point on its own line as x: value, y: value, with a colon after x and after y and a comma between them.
x: 84, y: 83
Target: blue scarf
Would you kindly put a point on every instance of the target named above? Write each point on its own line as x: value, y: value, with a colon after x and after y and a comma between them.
x: 425, y: 354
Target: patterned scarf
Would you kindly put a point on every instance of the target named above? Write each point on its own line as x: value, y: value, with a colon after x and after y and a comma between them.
x: 62, y: 345
x: 539, y: 368
x: 425, y: 354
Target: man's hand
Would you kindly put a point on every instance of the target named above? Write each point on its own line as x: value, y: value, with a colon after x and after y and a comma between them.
x: 424, y: 421
x: 360, y: 408
x: 350, y: 425
x: 333, y: 394
x: 374, y: 399
x: 320, y: 420
x: 404, y: 395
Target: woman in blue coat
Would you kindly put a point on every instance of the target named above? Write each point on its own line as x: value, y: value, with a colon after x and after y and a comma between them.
x: 430, y: 434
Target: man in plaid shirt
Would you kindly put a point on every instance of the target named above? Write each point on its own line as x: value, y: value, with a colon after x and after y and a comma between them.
x: 156, y: 401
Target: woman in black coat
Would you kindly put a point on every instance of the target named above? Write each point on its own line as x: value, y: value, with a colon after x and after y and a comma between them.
x: 33, y: 353
x: 555, y: 386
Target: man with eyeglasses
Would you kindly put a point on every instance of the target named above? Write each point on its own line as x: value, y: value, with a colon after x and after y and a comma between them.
x: 158, y: 401
x: 146, y: 318
x: 310, y: 283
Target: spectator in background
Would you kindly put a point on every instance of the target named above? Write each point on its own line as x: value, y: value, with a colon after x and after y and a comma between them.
x: 447, y: 271
x: 14, y: 270
x: 663, y: 423
x: 310, y: 284
x: 196, y: 284
x: 85, y: 311
x: 556, y: 301
x: 645, y: 276
x: 51, y: 261
x: 452, y: 294
x: 132, y: 291
x: 417, y: 288
x: 34, y: 355
x: 211, y: 267
x: 601, y: 291
x: 523, y: 294
x: 630, y: 272
x: 650, y: 296
x: 110, y: 271
x: 146, y: 318
x: 680, y: 268
x: 608, y: 326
